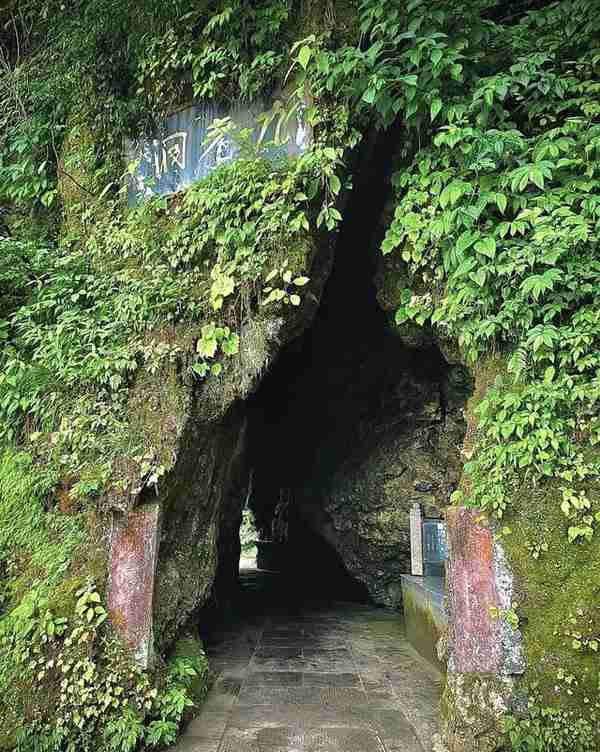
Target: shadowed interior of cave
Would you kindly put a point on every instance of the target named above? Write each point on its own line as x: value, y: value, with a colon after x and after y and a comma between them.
x: 336, y: 395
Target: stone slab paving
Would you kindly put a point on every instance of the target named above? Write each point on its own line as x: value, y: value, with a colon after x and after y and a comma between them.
x: 328, y: 678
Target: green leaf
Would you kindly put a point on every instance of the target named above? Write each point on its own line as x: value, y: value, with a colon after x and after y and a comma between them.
x: 401, y: 316
x: 501, y: 202
x: 487, y: 247
x: 231, y: 345
x: 207, y: 347
x: 409, y: 80
x: 200, y: 369
x: 479, y: 277
x: 537, y: 177
x: 370, y: 95
x: 304, y: 56
x: 436, y: 106
x: 465, y: 241
x: 436, y: 55
x: 453, y: 192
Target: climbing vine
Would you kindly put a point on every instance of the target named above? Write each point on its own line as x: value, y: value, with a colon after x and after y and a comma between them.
x: 94, y: 301
x: 497, y: 221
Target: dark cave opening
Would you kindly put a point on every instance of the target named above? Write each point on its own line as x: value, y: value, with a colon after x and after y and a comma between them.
x: 329, y: 385
x: 348, y: 428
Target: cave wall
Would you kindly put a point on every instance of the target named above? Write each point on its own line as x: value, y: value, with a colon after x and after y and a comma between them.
x: 398, y: 442
x: 211, y: 462
x: 382, y: 430
x: 198, y: 430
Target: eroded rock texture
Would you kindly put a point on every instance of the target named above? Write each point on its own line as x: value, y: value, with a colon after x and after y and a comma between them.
x: 352, y: 426
x: 354, y: 452
x: 201, y: 437
x: 402, y: 449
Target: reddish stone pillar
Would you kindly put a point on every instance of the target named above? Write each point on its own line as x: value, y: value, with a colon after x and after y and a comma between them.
x: 484, y: 649
x: 132, y: 568
x: 476, y: 637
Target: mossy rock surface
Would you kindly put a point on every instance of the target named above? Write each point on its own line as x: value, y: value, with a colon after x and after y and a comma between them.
x: 559, y: 593
x: 396, y: 443
x: 557, y: 587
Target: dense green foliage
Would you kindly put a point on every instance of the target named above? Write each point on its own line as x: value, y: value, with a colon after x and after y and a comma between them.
x: 71, y: 681
x: 91, y: 303
x: 548, y: 729
x: 496, y: 215
x: 499, y: 219
x: 496, y: 221
x: 85, y: 328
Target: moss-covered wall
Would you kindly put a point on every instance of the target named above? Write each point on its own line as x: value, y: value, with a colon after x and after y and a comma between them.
x: 558, y: 603
x: 555, y: 610
x: 197, y: 432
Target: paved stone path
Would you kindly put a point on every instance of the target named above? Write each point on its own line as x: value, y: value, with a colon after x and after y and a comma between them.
x: 326, y: 678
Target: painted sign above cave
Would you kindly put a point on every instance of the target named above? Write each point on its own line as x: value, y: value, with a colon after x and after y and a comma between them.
x: 179, y: 154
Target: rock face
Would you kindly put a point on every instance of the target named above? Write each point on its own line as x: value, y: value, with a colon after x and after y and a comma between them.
x: 201, y: 439
x: 209, y: 463
x: 489, y: 679
x: 396, y: 443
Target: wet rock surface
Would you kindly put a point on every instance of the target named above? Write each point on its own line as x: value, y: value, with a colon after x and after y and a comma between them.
x: 315, y: 677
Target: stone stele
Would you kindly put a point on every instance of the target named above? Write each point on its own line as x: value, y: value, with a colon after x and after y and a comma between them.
x: 132, y: 567
x: 477, y: 635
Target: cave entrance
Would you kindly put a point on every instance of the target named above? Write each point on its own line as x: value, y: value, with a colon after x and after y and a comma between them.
x: 350, y: 426
x: 248, y: 540
x: 347, y: 430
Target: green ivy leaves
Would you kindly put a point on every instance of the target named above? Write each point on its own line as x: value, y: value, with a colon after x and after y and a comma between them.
x: 283, y: 286
x: 498, y: 221
x: 213, y: 339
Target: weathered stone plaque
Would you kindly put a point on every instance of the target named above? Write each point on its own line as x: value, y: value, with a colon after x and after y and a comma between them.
x: 416, y: 540
x: 477, y: 639
x: 132, y: 567
x: 178, y: 154
x: 435, y: 550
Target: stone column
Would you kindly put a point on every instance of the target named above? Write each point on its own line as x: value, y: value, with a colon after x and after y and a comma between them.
x: 474, y: 597
x: 132, y: 569
x: 416, y: 540
x: 485, y: 652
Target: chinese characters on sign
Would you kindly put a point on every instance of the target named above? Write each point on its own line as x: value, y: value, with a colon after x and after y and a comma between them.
x: 179, y: 157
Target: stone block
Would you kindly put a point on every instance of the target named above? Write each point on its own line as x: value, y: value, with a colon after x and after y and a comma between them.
x: 425, y: 618
x: 416, y: 540
x: 476, y: 631
x: 132, y: 568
